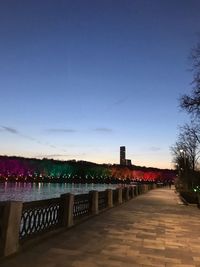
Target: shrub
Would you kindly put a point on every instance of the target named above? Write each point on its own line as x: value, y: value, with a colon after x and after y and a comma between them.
x: 190, y: 197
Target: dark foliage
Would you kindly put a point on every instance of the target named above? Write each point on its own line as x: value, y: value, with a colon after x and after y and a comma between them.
x: 190, y: 197
x: 191, y: 103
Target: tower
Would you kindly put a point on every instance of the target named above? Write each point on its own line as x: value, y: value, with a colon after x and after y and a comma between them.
x: 122, y: 155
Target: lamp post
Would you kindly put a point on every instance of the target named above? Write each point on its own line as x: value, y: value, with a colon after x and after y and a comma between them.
x: 182, y: 152
x: 182, y: 166
x: 185, y: 160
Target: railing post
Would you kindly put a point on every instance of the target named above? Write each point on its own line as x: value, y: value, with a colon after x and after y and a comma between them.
x: 144, y: 189
x: 135, y: 191
x: 120, y: 195
x: 11, y: 227
x: 95, y: 202
x: 68, y: 206
x: 138, y: 190
x: 110, y: 198
x: 141, y: 189
x: 132, y: 191
x: 149, y: 187
x: 127, y: 193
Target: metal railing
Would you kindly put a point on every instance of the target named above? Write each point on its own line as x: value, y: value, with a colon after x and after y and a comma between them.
x: 102, y: 200
x: 124, y: 194
x: 82, y: 206
x: 39, y: 217
x: 2, y: 209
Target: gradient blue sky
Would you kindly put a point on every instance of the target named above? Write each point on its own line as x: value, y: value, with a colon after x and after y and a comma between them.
x: 80, y: 78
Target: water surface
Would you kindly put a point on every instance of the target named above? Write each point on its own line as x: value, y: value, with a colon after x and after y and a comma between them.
x: 36, y: 191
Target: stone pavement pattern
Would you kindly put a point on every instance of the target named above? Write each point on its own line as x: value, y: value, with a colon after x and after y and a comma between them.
x: 150, y: 230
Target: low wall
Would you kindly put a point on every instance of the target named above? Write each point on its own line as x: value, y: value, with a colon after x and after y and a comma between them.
x: 20, y: 222
x: 2, y: 211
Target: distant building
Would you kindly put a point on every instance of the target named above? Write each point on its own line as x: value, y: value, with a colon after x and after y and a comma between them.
x: 122, y: 155
x: 123, y: 160
x: 128, y: 162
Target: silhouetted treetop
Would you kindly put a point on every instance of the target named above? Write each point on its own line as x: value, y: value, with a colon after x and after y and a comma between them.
x: 191, y: 103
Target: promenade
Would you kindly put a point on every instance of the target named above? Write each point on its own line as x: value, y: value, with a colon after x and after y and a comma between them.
x: 153, y: 229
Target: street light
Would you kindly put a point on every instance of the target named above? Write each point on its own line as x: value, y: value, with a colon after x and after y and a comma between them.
x: 184, y: 158
x: 186, y: 166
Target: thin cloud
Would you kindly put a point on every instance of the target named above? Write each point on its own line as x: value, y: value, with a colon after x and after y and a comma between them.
x: 21, y: 135
x: 52, y: 146
x: 60, y: 155
x: 103, y: 130
x: 117, y: 103
x: 120, y: 101
x: 9, y: 129
x: 29, y: 138
x: 53, y: 156
x: 67, y: 130
x: 154, y: 148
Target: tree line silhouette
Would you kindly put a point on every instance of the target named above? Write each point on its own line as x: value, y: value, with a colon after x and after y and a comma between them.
x: 49, y: 170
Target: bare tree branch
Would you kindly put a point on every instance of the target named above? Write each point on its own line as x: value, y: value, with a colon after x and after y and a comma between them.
x: 191, y: 103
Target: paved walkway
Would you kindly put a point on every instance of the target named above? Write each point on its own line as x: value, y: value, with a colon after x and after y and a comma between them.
x: 150, y: 230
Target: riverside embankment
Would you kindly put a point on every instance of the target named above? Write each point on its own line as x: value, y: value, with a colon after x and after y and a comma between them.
x: 153, y: 229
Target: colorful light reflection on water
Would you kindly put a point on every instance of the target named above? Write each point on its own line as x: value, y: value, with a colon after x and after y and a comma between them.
x: 37, y: 191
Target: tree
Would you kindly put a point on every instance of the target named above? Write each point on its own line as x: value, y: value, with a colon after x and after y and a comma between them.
x: 186, y: 152
x: 189, y: 137
x: 191, y: 103
x: 187, y: 146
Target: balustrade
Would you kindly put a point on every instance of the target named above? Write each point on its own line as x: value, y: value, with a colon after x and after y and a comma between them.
x: 39, y: 217
x: 102, y: 200
x: 82, y: 206
x: 124, y: 194
x: 2, y: 209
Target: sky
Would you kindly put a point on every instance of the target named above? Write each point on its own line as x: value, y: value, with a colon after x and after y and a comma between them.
x: 79, y: 79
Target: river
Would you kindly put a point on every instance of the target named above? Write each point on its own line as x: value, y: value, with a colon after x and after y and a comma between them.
x: 37, y: 191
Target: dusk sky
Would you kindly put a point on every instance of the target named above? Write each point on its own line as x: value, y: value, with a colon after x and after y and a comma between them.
x: 80, y: 78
